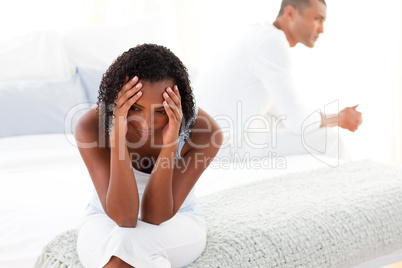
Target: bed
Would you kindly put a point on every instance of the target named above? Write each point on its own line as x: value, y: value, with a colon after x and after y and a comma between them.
x: 44, y: 183
x: 45, y: 187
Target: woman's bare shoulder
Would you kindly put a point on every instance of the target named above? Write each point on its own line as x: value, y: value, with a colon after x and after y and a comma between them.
x: 87, y: 127
x: 204, y: 122
x: 206, y: 131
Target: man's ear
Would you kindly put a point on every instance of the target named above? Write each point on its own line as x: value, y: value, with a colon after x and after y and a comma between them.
x: 290, y: 12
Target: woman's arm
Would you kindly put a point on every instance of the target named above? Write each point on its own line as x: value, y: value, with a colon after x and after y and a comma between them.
x: 111, y: 170
x: 170, y: 184
x: 121, y: 200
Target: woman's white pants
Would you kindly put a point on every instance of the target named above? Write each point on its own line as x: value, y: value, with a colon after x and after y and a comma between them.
x: 174, y: 243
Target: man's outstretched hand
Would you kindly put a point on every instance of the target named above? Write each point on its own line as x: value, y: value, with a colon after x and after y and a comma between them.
x: 350, y: 119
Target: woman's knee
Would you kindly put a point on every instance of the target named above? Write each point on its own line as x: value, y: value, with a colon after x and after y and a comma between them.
x: 116, y: 262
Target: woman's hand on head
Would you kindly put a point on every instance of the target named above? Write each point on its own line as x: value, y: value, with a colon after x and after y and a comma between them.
x: 173, y: 109
x: 126, y: 97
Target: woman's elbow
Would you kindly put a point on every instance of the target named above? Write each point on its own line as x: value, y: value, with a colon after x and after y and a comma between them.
x: 153, y: 222
x: 126, y: 223
x: 124, y: 220
x: 123, y: 214
x: 156, y: 220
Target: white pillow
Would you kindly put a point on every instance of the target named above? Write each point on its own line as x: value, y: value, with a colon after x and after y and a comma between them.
x: 35, y: 55
x: 91, y: 79
x: 98, y: 47
x: 41, y: 106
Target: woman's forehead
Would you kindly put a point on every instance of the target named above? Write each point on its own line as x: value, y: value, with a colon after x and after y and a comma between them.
x: 159, y: 85
x: 152, y: 92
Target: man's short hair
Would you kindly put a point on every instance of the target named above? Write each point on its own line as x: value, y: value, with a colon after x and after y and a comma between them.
x: 299, y: 5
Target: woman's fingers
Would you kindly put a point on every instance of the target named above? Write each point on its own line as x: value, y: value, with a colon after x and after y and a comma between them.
x: 169, y: 111
x: 127, y: 85
x: 174, y: 104
x: 174, y: 95
x: 172, y: 113
x: 126, y: 80
x: 131, y: 101
x: 128, y: 94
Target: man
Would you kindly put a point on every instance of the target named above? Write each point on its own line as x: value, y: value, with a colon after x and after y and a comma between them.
x: 251, y: 83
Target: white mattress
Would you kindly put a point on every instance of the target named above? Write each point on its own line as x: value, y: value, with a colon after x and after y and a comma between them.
x: 45, y: 187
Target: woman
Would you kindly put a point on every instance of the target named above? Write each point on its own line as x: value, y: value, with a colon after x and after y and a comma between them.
x: 145, y: 145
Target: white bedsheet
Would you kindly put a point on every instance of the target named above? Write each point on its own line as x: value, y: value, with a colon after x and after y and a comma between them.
x: 44, y: 187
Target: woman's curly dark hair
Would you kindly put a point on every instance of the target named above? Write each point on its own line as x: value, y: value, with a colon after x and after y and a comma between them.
x: 150, y: 62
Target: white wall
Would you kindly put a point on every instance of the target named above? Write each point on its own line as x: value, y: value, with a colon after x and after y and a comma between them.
x: 355, y: 61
